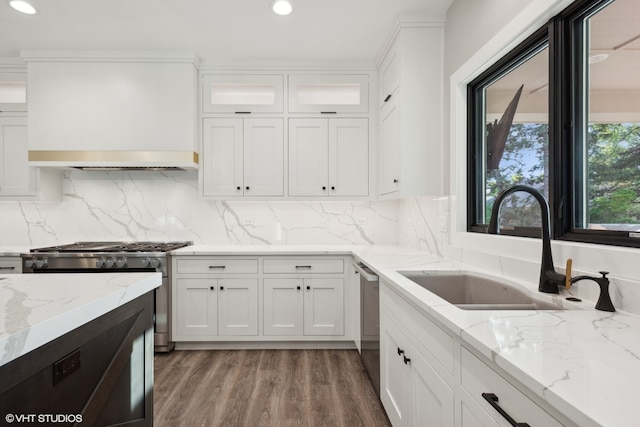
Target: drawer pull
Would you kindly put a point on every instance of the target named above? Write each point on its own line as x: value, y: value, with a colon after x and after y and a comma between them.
x: 493, y: 401
x: 8, y: 268
x: 303, y: 266
x: 387, y: 98
x: 218, y: 266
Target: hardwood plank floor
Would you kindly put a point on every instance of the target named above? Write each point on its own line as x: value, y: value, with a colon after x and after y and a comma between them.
x: 264, y: 388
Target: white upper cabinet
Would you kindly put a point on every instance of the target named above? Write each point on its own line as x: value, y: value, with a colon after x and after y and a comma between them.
x: 242, y: 93
x: 329, y: 93
x: 243, y: 157
x: 410, y: 94
x: 13, y: 91
x: 328, y: 157
x: 17, y: 179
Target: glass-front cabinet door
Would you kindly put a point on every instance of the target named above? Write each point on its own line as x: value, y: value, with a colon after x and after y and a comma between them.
x: 329, y: 93
x: 13, y: 91
x: 242, y: 94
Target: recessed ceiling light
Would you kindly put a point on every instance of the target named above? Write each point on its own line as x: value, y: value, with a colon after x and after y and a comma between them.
x: 22, y: 6
x: 281, y: 7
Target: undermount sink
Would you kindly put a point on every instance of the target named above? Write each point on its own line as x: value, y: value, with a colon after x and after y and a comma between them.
x: 469, y: 291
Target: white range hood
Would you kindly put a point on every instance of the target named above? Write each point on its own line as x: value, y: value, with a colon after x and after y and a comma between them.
x: 112, y: 109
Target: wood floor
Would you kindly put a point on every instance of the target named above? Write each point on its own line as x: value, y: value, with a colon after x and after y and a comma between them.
x: 264, y: 388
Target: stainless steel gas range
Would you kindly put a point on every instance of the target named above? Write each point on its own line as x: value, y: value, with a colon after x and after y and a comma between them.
x: 112, y: 257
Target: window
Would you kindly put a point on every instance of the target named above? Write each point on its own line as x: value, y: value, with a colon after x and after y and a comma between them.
x: 561, y: 113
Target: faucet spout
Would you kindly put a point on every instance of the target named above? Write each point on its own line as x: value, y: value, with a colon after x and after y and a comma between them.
x: 604, y: 301
x: 549, y: 278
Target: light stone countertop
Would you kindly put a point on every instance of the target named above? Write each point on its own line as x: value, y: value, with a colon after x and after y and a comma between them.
x: 583, y: 362
x: 38, y: 308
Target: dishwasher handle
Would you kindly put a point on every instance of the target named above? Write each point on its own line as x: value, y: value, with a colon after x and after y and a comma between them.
x: 365, y: 272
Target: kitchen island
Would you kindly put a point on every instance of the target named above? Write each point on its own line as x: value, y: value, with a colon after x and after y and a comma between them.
x: 77, y: 348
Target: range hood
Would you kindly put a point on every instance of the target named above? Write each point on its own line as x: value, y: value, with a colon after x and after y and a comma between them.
x: 112, y: 110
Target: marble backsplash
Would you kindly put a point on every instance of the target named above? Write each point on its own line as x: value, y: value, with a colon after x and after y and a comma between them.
x: 151, y: 205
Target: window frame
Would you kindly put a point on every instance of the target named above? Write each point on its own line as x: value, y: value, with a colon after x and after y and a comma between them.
x: 565, y: 38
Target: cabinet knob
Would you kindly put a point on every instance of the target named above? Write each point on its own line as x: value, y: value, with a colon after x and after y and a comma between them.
x: 395, y: 181
x: 400, y: 352
x: 239, y: 188
x: 333, y: 188
x: 247, y: 187
x: 406, y: 360
x: 222, y: 288
x: 212, y: 288
x: 308, y: 288
x: 324, y: 188
x: 298, y: 287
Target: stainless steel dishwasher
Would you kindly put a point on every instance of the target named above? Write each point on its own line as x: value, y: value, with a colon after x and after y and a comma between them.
x: 370, y: 323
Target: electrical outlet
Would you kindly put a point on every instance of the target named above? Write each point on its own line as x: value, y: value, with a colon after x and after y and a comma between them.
x: 361, y: 221
x: 246, y: 221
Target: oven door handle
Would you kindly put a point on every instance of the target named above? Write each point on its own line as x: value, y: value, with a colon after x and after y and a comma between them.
x: 365, y: 272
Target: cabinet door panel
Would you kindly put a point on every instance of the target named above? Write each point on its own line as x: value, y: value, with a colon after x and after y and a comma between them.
x: 16, y: 177
x: 238, y: 306
x: 263, y: 157
x: 389, y: 161
x: 196, y: 308
x: 308, y: 157
x: 433, y: 404
x: 222, y: 157
x: 323, y: 307
x: 395, y: 379
x: 349, y: 157
x: 283, y: 305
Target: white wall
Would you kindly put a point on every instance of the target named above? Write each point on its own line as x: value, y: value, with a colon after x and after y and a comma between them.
x: 148, y: 205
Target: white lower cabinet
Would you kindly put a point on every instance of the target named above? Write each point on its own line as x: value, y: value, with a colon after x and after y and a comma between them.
x: 428, y: 377
x: 304, y: 306
x: 411, y: 391
x: 497, y: 402
x: 260, y: 298
x: 207, y: 307
x: 10, y: 265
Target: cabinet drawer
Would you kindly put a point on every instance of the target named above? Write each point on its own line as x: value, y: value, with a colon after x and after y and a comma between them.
x: 478, y: 378
x: 10, y: 266
x: 300, y: 266
x: 217, y: 266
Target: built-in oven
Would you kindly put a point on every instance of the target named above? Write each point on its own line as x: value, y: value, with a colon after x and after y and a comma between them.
x: 113, y: 257
x: 370, y: 323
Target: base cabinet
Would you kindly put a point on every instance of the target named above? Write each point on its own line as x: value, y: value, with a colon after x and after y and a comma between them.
x: 411, y: 391
x: 304, y: 306
x: 261, y: 298
x: 429, y: 378
x: 216, y: 306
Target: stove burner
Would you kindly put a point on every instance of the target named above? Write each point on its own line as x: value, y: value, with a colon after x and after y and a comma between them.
x: 83, y: 247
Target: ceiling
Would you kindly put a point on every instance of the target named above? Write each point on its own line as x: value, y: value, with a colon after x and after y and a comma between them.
x: 221, y: 32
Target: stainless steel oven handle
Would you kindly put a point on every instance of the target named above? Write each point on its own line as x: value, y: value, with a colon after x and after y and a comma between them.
x: 365, y: 272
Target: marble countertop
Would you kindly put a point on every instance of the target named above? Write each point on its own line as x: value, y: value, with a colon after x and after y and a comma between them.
x: 583, y: 362
x: 38, y: 308
x: 13, y: 250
